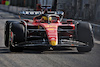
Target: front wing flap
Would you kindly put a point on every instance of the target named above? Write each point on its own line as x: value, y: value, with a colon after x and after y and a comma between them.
x: 62, y: 43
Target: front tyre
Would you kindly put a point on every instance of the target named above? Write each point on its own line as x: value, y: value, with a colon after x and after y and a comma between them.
x: 6, y: 32
x: 15, y: 49
x: 11, y: 43
x: 85, y: 35
x: 16, y: 35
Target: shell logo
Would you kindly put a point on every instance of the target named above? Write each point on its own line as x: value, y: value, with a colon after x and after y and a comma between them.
x: 53, y: 43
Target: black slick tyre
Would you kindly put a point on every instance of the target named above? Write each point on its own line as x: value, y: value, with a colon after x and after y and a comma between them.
x: 85, y: 35
x: 19, y: 32
x: 16, y: 35
x: 15, y: 49
x: 6, y: 35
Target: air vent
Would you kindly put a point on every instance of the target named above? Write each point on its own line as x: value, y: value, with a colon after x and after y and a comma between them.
x: 66, y: 27
x: 32, y: 27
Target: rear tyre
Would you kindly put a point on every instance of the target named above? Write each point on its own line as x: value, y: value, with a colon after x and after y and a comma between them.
x: 7, y: 32
x: 85, y: 35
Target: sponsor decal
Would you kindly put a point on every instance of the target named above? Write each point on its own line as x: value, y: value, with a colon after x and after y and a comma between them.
x: 53, y: 43
x: 50, y: 29
x: 51, y: 26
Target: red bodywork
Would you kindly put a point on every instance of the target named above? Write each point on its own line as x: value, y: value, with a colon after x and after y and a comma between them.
x: 52, y: 29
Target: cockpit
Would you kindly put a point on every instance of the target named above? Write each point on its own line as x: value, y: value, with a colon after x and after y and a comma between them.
x: 48, y: 18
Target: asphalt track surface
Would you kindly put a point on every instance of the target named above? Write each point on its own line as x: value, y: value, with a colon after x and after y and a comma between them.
x: 58, y: 58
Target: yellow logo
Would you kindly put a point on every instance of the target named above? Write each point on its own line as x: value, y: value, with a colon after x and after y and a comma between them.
x: 51, y: 26
x: 51, y: 29
x: 53, y: 43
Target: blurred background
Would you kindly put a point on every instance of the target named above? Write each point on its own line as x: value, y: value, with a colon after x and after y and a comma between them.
x: 87, y: 10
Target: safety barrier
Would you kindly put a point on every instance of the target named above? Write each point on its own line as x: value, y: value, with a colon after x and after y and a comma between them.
x: 96, y: 31
x: 13, y: 9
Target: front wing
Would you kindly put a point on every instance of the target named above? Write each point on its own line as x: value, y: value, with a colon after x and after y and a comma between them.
x: 63, y: 43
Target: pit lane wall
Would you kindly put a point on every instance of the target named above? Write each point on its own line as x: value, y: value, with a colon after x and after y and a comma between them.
x: 14, y: 9
x: 96, y: 31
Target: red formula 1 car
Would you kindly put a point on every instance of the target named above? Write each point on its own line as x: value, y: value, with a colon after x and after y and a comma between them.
x: 48, y: 30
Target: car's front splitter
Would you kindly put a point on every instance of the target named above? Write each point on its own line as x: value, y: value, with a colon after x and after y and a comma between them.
x: 48, y: 45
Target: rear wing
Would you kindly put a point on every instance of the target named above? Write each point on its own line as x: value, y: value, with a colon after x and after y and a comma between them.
x: 33, y: 13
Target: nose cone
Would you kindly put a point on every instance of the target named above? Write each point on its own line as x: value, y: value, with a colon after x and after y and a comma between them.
x: 52, y: 34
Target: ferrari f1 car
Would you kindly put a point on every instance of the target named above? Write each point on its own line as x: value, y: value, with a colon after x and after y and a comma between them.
x: 48, y: 29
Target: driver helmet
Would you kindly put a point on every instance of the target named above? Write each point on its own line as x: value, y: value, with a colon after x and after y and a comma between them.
x: 44, y: 18
x: 50, y: 18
